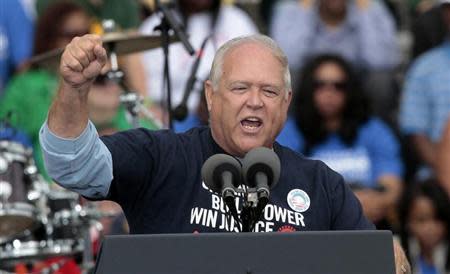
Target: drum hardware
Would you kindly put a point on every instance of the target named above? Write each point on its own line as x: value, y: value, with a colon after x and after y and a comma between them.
x: 5, y: 190
x: 65, y: 232
x: 3, y: 165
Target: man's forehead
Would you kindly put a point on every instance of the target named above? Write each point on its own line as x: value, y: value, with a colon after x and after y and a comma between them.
x: 250, y: 64
x: 247, y: 48
x: 252, y: 56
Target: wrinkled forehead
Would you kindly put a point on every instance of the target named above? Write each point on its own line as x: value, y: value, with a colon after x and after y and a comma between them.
x: 252, y: 59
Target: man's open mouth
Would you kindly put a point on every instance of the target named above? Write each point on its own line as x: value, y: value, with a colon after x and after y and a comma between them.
x: 251, y: 123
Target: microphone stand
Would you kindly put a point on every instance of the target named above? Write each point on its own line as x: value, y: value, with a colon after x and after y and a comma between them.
x: 249, y: 216
x: 168, y: 22
x: 181, y: 111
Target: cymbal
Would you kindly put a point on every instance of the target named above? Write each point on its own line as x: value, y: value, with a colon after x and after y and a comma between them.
x: 121, y: 42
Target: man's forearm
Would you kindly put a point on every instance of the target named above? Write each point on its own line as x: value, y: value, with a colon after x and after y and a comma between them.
x: 425, y: 148
x: 68, y: 115
x: 81, y: 62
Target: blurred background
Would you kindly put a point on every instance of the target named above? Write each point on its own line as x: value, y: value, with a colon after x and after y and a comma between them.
x: 371, y: 86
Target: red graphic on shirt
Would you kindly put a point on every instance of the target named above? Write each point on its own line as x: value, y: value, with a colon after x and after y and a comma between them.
x: 286, y: 228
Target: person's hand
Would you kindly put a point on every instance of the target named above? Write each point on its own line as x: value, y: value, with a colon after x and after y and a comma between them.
x: 362, y: 4
x: 373, y: 204
x: 83, y: 60
x: 402, y: 265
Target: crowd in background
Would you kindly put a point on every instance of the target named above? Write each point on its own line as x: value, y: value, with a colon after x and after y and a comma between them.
x: 371, y: 104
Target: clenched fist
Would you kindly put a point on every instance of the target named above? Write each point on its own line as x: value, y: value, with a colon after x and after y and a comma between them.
x: 83, y: 60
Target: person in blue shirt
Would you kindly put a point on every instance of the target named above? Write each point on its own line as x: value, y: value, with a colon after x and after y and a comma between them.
x: 425, y: 102
x: 361, y: 30
x: 16, y: 39
x: 332, y: 123
x: 425, y: 227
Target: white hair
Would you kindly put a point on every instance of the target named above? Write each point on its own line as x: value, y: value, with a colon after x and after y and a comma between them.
x: 216, y: 69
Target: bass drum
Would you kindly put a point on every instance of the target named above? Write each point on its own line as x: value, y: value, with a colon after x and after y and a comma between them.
x: 18, y: 200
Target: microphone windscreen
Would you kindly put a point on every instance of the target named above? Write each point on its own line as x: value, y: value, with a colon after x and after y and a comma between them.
x: 214, y: 167
x: 261, y: 159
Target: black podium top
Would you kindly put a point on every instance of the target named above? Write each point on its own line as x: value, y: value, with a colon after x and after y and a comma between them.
x: 325, y: 252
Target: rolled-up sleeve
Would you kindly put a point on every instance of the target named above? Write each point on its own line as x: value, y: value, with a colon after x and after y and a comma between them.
x: 82, y: 164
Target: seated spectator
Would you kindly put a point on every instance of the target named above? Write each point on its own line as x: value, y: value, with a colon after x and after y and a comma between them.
x: 425, y: 102
x: 201, y: 19
x: 425, y: 219
x: 429, y: 28
x: 16, y: 35
x: 332, y: 123
x: 362, y: 31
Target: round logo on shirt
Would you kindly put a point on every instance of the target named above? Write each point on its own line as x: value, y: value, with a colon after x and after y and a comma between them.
x: 298, y: 200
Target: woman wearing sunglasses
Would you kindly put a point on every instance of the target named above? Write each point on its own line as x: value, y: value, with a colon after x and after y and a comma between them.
x: 332, y: 122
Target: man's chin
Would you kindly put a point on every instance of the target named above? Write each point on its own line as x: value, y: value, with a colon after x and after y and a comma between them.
x: 247, y: 145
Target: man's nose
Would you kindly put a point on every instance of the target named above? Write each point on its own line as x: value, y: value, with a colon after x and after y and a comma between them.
x: 254, y: 99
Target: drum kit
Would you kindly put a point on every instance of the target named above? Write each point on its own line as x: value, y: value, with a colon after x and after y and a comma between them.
x: 37, y: 221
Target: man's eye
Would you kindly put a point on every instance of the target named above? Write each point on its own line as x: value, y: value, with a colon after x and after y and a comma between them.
x: 270, y: 92
x: 239, y: 88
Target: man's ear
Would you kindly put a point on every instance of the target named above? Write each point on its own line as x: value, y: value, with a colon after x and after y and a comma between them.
x: 209, y: 93
x: 288, y: 97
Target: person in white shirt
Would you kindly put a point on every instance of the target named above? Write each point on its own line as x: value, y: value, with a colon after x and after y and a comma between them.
x: 201, y: 19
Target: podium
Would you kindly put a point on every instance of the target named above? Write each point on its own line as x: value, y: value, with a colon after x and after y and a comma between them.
x: 321, y: 252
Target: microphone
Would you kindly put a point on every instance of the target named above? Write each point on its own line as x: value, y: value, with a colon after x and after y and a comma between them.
x: 181, y: 111
x: 222, y: 174
x: 261, y: 170
x: 177, y: 28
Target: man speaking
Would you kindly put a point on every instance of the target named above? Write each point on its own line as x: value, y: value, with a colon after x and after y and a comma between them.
x: 155, y: 175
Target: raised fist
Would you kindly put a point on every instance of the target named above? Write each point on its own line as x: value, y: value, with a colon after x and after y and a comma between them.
x: 83, y: 59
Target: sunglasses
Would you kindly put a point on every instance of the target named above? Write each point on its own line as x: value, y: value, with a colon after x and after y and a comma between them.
x: 337, y: 85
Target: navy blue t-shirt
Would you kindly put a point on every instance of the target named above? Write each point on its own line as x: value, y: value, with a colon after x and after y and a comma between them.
x: 157, y: 181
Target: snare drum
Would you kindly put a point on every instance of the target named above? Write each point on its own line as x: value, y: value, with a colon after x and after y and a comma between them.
x: 18, y: 213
